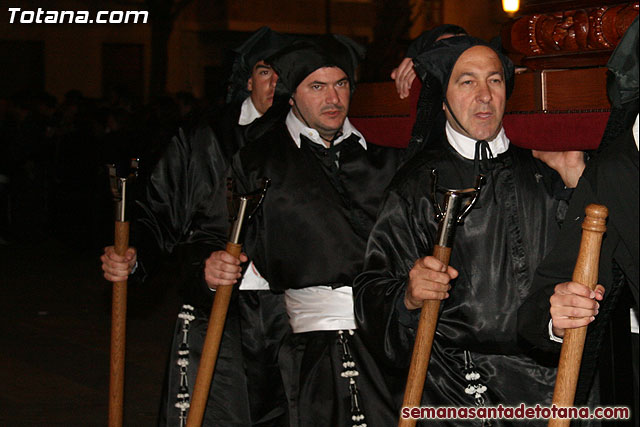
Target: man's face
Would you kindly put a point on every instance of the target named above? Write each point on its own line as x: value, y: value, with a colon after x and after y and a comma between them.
x: 477, y: 94
x: 262, y: 85
x: 322, y: 100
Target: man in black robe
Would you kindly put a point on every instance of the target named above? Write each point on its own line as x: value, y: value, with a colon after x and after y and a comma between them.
x: 309, y: 237
x: 611, y: 179
x: 183, y: 211
x: 476, y: 359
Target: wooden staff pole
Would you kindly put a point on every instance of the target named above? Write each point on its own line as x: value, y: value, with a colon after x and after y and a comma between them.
x: 422, y: 346
x: 585, y: 272
x: 212, y: 340
x: 118, y: 332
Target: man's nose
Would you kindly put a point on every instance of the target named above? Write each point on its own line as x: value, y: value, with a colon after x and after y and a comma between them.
x: 483, y: 93
x: 332, y: 95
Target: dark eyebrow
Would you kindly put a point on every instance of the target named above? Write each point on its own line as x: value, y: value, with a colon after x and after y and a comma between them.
x: 266, y: 66
x: 318, y: 82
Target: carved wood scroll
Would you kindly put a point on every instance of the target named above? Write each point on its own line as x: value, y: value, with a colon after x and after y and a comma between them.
x: 569, y: 38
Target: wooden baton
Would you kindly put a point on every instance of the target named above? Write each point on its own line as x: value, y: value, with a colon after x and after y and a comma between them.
x: 211, y: 347
x: 118, y: 332
x: 457, y: 204
x: 422, y: 347
x: 247, y: 206
x: 585, y: 272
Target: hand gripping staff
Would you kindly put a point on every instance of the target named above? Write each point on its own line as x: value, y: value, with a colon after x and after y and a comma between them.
x: 119, y: 188
x: 457, y: 204
x: 242, y: 207
x: 585, y: 272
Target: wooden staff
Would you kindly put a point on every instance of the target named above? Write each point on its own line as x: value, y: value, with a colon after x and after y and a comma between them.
x: 118, y: 332
x: 458, y: 204
x: 219, y: 310
x: 422, y: 346
x: 585, y: 272
x: 119, y: 296
x: 212, y: 340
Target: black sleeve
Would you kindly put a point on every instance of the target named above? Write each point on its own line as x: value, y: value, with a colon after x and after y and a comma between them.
x: 395, y: 243
x: 557, y: 267
x: 183, y: 205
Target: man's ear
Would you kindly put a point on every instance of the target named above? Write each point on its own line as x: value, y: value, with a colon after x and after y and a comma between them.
x: 292, y: 101
x: 250, y: 84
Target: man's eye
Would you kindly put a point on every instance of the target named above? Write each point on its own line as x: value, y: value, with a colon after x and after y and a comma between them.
x: 316, y: 87
x: 342, y: 83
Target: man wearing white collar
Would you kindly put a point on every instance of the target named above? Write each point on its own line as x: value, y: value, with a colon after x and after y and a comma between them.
x: 181, y: 211
x: 476, y: 359
x: 309, y: 238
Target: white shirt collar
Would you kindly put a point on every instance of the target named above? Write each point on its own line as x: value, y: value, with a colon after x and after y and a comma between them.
x: 248, y: 112
x: 466, y: 146
x: 635, y: 131
x: 297, y: 128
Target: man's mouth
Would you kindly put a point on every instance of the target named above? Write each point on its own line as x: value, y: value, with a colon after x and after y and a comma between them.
x: 332, y: 112
x: 483, y: 115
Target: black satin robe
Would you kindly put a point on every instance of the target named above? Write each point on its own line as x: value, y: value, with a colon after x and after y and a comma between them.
x: 496, y: 252
x: 313, y: 225
x: 610, y: 179
x: 311, y: 230
x: 183, y: 211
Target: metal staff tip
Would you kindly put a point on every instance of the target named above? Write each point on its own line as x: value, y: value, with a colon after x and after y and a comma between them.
x: 118, y: 186
x: 242, y: 207
x: 457, y: 205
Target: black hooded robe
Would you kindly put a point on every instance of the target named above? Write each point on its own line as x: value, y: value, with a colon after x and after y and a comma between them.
x: 184, y: 211
x: 610, y: 179
x: 496, y: 252
x: 312, y: 230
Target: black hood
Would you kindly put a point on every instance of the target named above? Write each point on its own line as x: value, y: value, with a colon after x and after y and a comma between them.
x: 440, y: 58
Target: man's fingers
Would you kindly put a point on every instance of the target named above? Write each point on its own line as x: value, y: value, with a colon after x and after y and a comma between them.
x: 567, y: 323
x: 428, y: 280
x: 227, y: 268
x: 432, y: 263
x: 573, y: 301
x: 421, y: 290
x: 226, y: 257
x: 215, y: 278
x: 569, y: 288
x: 115, y: 278
x: 213, y: 282
x: 563, y: 312
x: 115, y: 271
x: 424, y: 294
